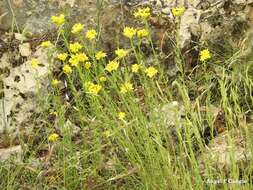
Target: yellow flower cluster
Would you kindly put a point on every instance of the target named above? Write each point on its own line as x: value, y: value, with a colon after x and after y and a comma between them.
x: 135, y: 68
x: 34, y: 63
x: 73, y: 61
x: 102, y: 79
x: 143, y: 13
x: 100, y: 55
x: 205, y: 55
x: 58, y: 20
x: 93, y: 88
x: 151, y: 72
x: 46, y: 44
x: 121, y: 115
x: 129, y: 32
x: 75, y: 47
x: 55, y: 82
x: 178, y: 11
x: 91, y: 34
x: 77, y: 58
x: 53, y: 137
x: 126, y: 87
x: 142, y: 33
x: 112, y: 66
x: 62, y: 56
x: 87, y: 65
x: 121, y: 53
x: 67, y: 69
x: 77, y: 28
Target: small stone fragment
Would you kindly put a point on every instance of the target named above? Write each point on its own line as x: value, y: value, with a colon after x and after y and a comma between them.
x: 25, y: 49
x: 6, y: 153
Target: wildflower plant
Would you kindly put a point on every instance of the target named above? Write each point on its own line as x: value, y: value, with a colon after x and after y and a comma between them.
x: 58, y: 20
x: 46, y: 44
x: 113, y: 98
x: 77, y: 28
x: 178, y: 11
x: 53, y: 137
x: 91, y: 34
x: 205, y: 55
x: 142, y: 13
x: 129, y: 32
x: 100, y: 55
x: 34, y: 63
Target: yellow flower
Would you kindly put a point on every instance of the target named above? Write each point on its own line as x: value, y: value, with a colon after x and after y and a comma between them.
x: 143, y: 13
x: 102, y: 79
x: 46, y: 44
x: 142, y: 33
x: 178, y: 11
x: 58, y: 20
x: 87, y: 84
x: 121, y: 115
x: 87, y: 65
x: 62, y: 56
x: 77, y: 28
x: 151, y: 71
x: 34, y: 63
x: 55, y: 82
x: 81, y: 57
x: 129, y: 32
x: 205, y: 55
x: 111, y: 66
x: 75, y: 47
x: 135, y: 68
x: 67, y: 69
x: 121, y: 53
x: 126, y: 87
x: 53, y: 137
x: 100, y: 55
x: 73, y: 61
x: 91, y: 34
x: 94, y: 88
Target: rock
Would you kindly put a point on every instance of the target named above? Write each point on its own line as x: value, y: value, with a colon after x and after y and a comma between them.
x: 25, y: 49
x: 20, y: 37
x: 218, y: 152
x: 20, y: 88
x: 35, y: 16
x: 172, y: 114
x: 166, y: 11
x: 189, y: 26
x: 8, y: 152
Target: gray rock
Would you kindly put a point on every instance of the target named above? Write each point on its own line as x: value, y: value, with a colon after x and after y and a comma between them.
x: 172, y: 114
x: 189, y: 26
x: 20, y: 88
x: 6, y: 153
x: 217, y: 156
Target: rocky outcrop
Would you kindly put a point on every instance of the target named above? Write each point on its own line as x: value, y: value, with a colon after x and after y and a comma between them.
x: 218, y: 155
x: 20, y: 86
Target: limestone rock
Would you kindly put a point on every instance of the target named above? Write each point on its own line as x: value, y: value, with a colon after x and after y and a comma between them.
x: 217, y: 155
x: 8, y: 152
x: 20, y: 88
x: 189, y: 26
x: 25, y: 49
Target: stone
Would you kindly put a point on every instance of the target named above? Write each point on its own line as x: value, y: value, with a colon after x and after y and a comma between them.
x: 6, y: 153
x: 218, y: 153
x: 25, y: 49
x: 20, y: 89
x: 172, y: 114
x: 189, y: 26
